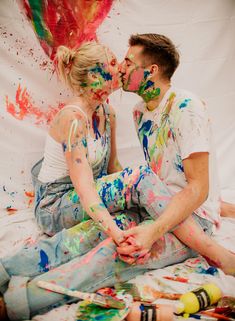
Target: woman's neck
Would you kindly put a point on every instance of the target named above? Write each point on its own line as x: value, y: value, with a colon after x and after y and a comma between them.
x: 88, y: 105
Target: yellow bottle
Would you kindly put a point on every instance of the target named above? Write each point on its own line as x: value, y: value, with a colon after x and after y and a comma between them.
x: 201, y: 298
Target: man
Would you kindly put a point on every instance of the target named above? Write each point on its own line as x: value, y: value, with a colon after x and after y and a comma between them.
x: 174, y: 131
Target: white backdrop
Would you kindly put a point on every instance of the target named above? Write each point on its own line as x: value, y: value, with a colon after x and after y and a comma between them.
x: 204, y: 33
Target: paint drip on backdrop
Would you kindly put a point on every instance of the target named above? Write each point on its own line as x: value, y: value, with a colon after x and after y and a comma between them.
x: 23, y: 107
x: 65, y: 22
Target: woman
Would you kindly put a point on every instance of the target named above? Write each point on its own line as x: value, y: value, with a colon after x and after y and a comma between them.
x: 72, y: 185
x: 78, y: 142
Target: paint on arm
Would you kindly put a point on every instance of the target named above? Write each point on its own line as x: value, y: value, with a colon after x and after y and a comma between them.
x: 75, y: 150
x: 73, y: 136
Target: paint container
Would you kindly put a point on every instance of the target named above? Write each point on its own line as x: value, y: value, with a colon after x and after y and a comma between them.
x: 163, y: 312
x: 201, y: 298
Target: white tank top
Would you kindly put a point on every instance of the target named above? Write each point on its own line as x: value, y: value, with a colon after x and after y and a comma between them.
x: 54, y: 165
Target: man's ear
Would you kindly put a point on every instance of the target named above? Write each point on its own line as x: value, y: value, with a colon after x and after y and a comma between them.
x: 154, y: 70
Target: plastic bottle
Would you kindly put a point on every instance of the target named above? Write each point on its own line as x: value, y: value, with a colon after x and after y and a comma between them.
x: 201, y: 298
x: 164, y: 312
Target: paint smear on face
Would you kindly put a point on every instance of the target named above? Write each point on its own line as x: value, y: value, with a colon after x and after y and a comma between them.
x: 135, y: 79
x: 69, y: 24
x: 24, y: 107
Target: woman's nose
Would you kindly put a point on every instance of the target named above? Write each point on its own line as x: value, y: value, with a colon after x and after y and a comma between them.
x: 121, y: 68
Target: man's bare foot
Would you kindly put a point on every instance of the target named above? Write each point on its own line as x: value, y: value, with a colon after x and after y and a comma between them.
x: 3, y: 311
x: 227, y: 209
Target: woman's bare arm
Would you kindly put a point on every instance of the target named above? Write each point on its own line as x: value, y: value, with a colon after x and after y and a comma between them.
x: 73, y: 140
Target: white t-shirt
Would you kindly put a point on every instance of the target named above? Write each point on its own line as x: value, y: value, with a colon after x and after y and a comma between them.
x: 178, y: 127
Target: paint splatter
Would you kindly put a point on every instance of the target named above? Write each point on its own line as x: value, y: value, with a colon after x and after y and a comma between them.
x: 144, y: 131
x: 91, y: 312
x: 10, y: 210
x: 134, y: 80
x: 97, y: 207
x: 44, y: 263
x: 65, y: 22
x: 30, y: 196
x: 184, y: 103
x: 95, y: 125
x: 24, y: 107
x: 179, y: 164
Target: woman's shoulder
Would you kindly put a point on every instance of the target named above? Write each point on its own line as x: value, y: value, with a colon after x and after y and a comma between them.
x: 64, y: 118
x: 68, y: 113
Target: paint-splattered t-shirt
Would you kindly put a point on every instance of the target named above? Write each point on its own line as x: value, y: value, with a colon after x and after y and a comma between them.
x: 178, y: 127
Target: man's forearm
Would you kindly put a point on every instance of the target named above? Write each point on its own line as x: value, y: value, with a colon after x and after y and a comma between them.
x: 181, y: 206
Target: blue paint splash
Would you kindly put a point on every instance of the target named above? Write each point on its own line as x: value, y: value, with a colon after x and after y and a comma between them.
x: 64, y: 146
x: 184, y: 103
x: 95, y: 125
x: 178, y: 164
x: 120, y: 220
x: 146, y: 74
x: 105, y: 75
x: 145, y: 131
x: 44, y: 263
x: 211, y: 270
x: 84, y: 142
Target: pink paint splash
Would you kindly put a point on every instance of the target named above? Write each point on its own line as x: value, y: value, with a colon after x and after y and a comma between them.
x: 23, y: 107
x: 135, y: 79
x: 65, y: 22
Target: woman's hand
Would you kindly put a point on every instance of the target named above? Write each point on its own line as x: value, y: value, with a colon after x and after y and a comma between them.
x: 117, y: 236
x: 137, y: 244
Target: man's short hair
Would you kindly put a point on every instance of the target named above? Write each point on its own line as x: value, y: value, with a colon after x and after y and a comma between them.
x: 159, y: 50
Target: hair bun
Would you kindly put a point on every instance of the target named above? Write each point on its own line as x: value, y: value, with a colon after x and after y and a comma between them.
x: 65, y: 55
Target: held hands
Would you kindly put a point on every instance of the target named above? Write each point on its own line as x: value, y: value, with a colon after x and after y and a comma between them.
x: 118, y: 236
x: 137, y: 243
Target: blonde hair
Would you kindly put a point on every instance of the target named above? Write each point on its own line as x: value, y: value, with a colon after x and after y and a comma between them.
x: 73, y: 64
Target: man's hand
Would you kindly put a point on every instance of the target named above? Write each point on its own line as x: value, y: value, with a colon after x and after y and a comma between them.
x: 137, y: 244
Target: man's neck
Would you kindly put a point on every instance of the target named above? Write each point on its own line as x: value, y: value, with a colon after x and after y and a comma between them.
x: 155, y: 102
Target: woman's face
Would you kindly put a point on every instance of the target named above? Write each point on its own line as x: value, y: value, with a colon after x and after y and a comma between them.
x: 104, y: 78
x: 113, y: 67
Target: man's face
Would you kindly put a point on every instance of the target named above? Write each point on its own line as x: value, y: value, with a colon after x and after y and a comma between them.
x: 132, y: 69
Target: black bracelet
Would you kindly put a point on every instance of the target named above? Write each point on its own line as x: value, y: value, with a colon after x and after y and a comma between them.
x: 148, y: 312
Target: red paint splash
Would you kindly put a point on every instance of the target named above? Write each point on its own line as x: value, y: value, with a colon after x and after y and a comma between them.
x: 30, y: 196
x: 24, y: 107
x: 65, y: 22
x: 212, y: 262
x: 11, y: 210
